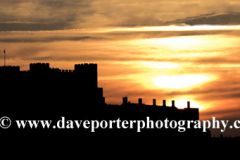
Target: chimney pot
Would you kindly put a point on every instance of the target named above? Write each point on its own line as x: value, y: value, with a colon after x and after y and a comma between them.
x: 188, y: 104
x: 173, y: 104
x: 164, y: 103
x: 140, y: 101
x: 125, y: 99
x: 154, y: 102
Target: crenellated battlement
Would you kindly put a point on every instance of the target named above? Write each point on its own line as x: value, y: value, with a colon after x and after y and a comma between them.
x: 39, y: 66
x: 86, y: 64
x: 55, y: 70
x: 85, y: 73
x: 85, y: 67
x: 9, y: 69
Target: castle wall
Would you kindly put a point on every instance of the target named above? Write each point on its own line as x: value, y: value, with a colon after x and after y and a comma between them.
x: 78, y: 86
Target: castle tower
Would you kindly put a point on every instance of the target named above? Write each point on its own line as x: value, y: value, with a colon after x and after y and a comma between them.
x: 87, y: 74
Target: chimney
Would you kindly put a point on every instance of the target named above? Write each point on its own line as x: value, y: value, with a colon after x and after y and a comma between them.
x: 140, y: 101
x: 154, y: 102
x: 125, y: 99
x: 188, y: 104
x: 164, y: 103
x: 173, y: 104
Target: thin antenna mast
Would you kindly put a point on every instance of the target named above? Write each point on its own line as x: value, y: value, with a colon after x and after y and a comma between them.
x: 4, y: 57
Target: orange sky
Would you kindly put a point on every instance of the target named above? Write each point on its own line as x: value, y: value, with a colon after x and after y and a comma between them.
x: 173, y: 50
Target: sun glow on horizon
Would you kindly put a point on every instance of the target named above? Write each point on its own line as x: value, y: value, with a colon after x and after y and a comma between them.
x: 177, y: 43
x: 171, y: 28
x: 180, y: 81
x: 182, y: 103
x: 160, y: 65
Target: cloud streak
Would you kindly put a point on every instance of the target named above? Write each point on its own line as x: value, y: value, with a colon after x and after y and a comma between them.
x: 59, y: 14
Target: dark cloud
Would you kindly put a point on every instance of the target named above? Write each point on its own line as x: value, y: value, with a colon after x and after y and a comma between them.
x: 216, y: 60
x: 49, y: 39
x: 41, y: 14
x: 211, y: 19
x: 108, y: 36
x: 32, y: 27
x: 102, y: 13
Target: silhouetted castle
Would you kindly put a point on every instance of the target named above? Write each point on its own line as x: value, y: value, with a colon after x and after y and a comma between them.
x: 52, y: 85
x: 44, y: 91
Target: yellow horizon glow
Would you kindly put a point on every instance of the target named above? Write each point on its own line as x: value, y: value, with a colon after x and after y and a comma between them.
x: 183, y: 27
x: 160, y: 65
x: 179, y: 81
x: 182, y: 103
x: 175, y: 42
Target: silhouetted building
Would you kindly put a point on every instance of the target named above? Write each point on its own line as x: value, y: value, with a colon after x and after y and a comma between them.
x: 44, y: 91
x: 46, y: 87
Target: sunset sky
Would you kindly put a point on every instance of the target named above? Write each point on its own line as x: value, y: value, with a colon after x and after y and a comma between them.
x: 182, y: 50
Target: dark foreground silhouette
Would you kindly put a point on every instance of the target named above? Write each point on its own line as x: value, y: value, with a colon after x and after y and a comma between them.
x: 44, y: 93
